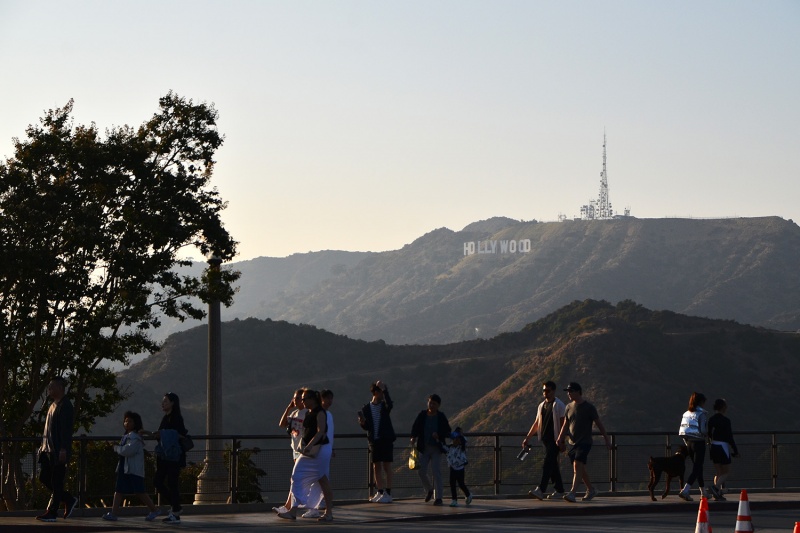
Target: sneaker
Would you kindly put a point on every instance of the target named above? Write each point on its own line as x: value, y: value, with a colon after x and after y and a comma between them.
x: 454, y: 503
x: 110, y: 517
x: 469, y: 500
x: 69, y: 507
x: 49, y: 516
x: 684, y: 496
x: 172, y: 518
x: 536, y: 493
x: 437, y: 501
x: 311, y: 513
x: 287, y: 515
x: 716, y: 493
x: 327, y: 517
x: 281, y: 509
x: 555, y: 495
x: 152, y: 516
x: 591, y: 493
x: 429, y: 496
x: 570, y: 497
x: 376, y: 497
x: 386, y: 498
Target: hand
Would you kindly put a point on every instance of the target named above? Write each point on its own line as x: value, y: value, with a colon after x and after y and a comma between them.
x: 435, y: 436
x: 381, y: 385
x: 525, y: 443
x: 62, y: 456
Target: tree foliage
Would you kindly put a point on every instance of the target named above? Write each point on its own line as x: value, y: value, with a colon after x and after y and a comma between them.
x: 91, y: 230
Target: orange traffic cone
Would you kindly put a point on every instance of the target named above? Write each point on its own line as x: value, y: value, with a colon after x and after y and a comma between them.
x: 743, y: 520
x: 796, y: 527
x: 702, y: 522
x: 704, y: 507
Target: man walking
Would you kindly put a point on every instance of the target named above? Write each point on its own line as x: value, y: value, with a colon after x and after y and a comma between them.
x: 375, y: 418
x: 578, y: 419
x: 549, y: 419
x: 56, y: 449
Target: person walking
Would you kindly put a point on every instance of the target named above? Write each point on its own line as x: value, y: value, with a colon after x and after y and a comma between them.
x: 549, y: 419
x: 375, y: 419
x: 168, y: 468
x: 457, y: 460
x: 307, y: 469
x: 292, y: 422
x: 723, y: 447
x: 430, y: 427
x: 579, y: 416
x: 130, y: 469
x: 56, y: 450
x: 694, y: 430
x: 316, y: 497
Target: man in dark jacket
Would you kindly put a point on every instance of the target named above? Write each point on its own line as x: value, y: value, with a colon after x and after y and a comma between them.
x: 56, y: 449
x: 375, y: 418
x: 427, y: 434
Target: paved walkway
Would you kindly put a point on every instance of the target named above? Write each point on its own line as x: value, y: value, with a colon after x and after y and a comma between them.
x: 255, y: 517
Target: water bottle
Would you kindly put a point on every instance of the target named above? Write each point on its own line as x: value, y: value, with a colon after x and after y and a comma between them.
x: 524, y: 453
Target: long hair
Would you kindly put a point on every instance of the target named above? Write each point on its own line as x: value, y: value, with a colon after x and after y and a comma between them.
x: 176, y: 403
x: 315, y: 394
x: 696, y: 400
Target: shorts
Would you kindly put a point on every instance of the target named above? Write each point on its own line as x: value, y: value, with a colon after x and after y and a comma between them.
x: 718, y: 455
x: 129, y: 484
x: 382, y: 451
x: 580, y: 452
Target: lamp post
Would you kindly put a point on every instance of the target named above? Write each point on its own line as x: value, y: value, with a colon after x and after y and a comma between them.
x: 212, y: 483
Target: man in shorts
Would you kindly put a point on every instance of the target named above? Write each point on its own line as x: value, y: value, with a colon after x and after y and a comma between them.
x: 578, y: 419
x: 375, y: 419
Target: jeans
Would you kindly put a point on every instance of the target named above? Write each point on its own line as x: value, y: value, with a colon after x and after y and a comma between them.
x: 167, y: 482
x: 52, y: 476
x: 433, y: 456
x: 457, y: 477
x: 550, y: 468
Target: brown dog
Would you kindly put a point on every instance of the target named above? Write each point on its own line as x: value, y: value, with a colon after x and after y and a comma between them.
x: 672, y: 466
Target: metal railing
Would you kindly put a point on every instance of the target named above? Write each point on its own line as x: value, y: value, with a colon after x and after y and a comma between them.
x: 259, y: 466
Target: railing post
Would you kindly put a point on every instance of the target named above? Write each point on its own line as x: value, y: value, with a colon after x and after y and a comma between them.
x: 774, y: 461
x: 234, y: 471
x: 612, y: 463
x: 498, y: 466
x: 370, y: 473
x: 82, y: 471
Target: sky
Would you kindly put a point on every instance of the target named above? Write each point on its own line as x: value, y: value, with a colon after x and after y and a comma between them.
x: 362, y: 125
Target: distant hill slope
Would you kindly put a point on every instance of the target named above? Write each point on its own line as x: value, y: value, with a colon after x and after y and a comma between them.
x: 743, y: 269
x: 638, y: 366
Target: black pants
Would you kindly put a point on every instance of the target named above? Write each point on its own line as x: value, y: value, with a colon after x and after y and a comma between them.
x: 52, y: 476
x: 457, y: 477
x: 697, y: 451
x: 550, y: 469
x: 167, y: 482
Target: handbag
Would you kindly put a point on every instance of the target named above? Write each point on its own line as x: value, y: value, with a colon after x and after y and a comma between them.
x: 186, y: 442
x: 413, y: 459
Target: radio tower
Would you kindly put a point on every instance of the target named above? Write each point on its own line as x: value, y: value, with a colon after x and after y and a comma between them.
x: 600, y: 209
x: 603, y: 205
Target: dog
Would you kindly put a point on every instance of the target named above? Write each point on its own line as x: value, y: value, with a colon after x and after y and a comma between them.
x: 672, y: 466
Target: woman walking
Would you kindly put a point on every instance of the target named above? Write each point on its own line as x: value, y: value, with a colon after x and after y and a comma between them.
x: 694, y: 430
x: 723, y: 447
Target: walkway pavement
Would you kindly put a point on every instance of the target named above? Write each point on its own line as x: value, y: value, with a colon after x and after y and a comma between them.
x: 253, y: 517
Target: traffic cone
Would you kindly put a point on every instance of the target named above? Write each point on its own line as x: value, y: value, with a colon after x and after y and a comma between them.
x: 704, y: 507
x: 702, y: 522
x: 743, y: 519
x: 796, y: 527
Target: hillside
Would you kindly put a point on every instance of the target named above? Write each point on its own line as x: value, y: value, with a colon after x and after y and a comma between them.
x: 638, y: 366
x: 430, y: 292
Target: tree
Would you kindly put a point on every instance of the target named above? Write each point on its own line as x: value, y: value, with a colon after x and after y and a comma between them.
x: 91, y: 231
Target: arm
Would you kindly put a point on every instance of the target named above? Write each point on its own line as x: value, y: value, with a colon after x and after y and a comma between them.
x: 132, y: 447
x: 533, y: 431
x: 562, y: 434
x: 284, y: 421
x: 67, y: 416
x: 603, y: 432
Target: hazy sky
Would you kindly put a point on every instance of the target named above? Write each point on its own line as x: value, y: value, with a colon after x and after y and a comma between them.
x: 362, y: 125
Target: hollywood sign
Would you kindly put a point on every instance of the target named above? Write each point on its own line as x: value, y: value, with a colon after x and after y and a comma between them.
x: 522, y: 246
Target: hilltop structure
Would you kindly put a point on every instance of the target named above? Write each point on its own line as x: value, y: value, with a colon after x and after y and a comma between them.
x: 601, y: 208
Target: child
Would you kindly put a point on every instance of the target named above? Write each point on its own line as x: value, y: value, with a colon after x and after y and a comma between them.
x: 130, y: 471
x: 457, y: 459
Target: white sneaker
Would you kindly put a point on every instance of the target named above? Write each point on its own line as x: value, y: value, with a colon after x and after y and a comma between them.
x: 536, y: 493
x: 684, y: 496
x: 555, y: 495
x: 281, y: 509
x: 311, y: 513
x: 386, y: 498
x: 376, y: 497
